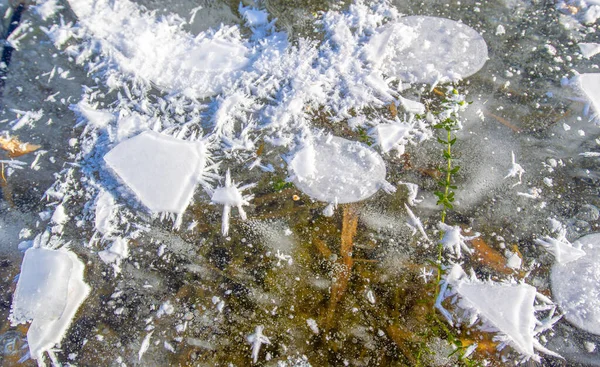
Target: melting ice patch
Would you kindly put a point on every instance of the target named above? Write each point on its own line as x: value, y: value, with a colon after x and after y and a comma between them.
x: 576, y: 286
x: 158, y: 51
x: 336, y: 170
x: 161, y: 170
x: 49, y: 292
x: 429, y: 50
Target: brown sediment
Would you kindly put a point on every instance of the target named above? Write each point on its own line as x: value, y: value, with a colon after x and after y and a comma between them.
x: 322, y: 247
x: 490, y: 257
x: 342, y: 276
x: 393, y: 110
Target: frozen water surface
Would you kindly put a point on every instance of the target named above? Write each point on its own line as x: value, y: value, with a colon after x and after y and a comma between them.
x: 254, y: 183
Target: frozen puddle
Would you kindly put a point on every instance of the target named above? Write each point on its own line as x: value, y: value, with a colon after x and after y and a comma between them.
x: 430, y: 50
x: 336, y: 170
x: 576, y: 286
x: 49, y: 292
x: 161, y: 170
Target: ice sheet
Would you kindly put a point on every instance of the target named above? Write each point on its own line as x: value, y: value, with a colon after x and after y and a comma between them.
x: 161, y: 170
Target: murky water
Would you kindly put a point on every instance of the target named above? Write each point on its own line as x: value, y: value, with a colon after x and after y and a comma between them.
x: 351, y: 289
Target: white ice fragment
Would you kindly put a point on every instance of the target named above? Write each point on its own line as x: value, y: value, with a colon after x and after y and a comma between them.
x: 257, y: 340
x: 329, y: 210
x: 165, y: 309
x: 576, y: 285
x: 228, y: 196
x: 500, y: 30
x: 515, y: 170
x: 342, y: 171
x: 508, y: 307
x: 115, y: 254
x: 590, y: 154
x: 105, y: 211
x: 415, y: 223
x: 427, y: 49
x: 47, y: 8
x: 563, y: 250
x: 590, y: 85
x: 370, y: 297
x: 60, y: 215
x: 145, y: 345
x: 390, y: 136
x: 49, y: 292
x: 312, y: 324
x: 454, y: 241
x: 589, y: 50
x: 411, y: 106
x: 589, y: 346
x: 514, y: 261
x: 161, y: 170
x: 95, y: 117
x: 591, y: 15
x: 254, y: 17
x: 413, y: 191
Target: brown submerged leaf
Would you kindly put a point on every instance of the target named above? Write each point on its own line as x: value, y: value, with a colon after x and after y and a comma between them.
x: 15, y: 147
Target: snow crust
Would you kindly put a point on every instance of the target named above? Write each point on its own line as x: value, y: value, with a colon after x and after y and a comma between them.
x: 161, y: 170
x: 427, y: 49
x: 576, y: 286
x: 337, y: 170
x: 48, y: 294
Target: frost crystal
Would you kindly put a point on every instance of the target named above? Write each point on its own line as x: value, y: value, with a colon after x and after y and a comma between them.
x: 515, y: 170
x: 257, y: 340
x: 228, y: 196
x: 454, y: 241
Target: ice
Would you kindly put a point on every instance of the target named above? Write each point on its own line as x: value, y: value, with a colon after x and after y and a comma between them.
x: 576, y: 286
x: 563, y: 250
x: 117, y: 252
x: 161, y: 170
x: 454, y: 241
x: 104, y: 213
x: 49, y: 292
x: 257, y: 340
x: 428, y: 50
x: 158, y: 51
x: 508, y: 307
x: 590, y: 85
x: 589, y: 50
x: 336, y: 170
x: 392, y: 136
x: 230, y: 195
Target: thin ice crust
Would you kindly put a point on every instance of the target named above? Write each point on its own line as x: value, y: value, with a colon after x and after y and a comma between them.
x: 336, y: 170
x: 441, y: 50
x: 576, y: 286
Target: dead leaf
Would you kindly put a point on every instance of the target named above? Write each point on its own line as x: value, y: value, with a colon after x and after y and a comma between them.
x: 16, y: 148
